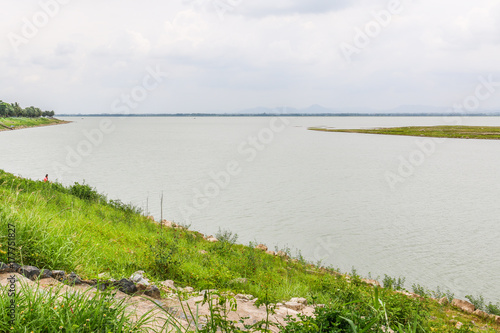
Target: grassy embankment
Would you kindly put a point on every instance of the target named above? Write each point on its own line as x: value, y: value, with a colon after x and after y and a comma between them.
x: 18, y: 123
x: 456, y: 132
x: 76, y: 229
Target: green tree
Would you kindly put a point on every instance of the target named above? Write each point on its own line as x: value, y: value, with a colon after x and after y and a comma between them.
x: 17, y: 109
x: 6, y: 110
x: 30, y: 112
x: 3, y: 109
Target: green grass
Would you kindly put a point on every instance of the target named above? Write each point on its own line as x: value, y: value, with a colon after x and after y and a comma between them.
x: 54, y: 310
x: 6, y: 123
x: 76, y: 229
x: 456, y: 132
x: 56, y: 229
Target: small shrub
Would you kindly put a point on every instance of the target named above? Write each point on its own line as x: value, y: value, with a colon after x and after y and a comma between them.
x: 86, y: 192
x: 450, y: 296
x: 393, y: 283
x: 165, y: 257
x: 185, y: 225
x: 440, y: 294
x: 226, y: 236
x: 493, y: 309
x: 127, y: 208
x: 285, y: 249
x: 301, y: 258
x: 355, y: 277
x: 329, y: 319
x: 420, y: 290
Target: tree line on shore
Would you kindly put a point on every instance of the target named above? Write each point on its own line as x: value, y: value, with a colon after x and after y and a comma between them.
x: 15, y: 110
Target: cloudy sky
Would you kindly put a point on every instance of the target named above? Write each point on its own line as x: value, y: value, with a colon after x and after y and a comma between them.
x: 76, y: 56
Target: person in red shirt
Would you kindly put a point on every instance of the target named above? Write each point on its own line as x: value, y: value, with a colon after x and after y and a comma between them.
x: 46, y: 179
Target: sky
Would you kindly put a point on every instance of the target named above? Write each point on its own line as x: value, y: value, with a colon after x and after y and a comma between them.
x: 75, y: 56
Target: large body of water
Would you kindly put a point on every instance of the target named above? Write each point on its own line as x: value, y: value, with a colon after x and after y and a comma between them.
x: 403, y: 206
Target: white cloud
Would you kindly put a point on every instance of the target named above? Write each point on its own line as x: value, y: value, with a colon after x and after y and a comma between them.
x: 129, y: 44
x: 260, y: 53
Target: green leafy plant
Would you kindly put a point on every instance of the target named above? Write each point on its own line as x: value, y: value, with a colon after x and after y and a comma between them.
x: 55, y: 310
x: 493, y: 309
x: 165, y: 256
x: 226, y: 236
x: 86, y: 192
x: 393, y: 283
x: 58, y: 230
x: 420, y: 290
x: 478, y: 302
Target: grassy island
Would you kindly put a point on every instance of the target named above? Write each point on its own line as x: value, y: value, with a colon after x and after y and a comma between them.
x: 18, y: 123
x: 76, y: 229
x: 454, y: 132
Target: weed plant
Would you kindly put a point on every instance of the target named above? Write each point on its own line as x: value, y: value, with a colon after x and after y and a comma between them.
x: 75, y: 229
x: 27, y: 122
x: 54, y: 310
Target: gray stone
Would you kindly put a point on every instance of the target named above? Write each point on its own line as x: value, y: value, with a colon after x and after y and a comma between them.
x: 169, y: 284
x: 4, y: 268
x: 294, y: 306
x: 58, y: 275
x: 188, y: 290
x: 153, y: 291
x: 141, y: 287
x: 138, y: 278
x: 207, y: 291
x: 14, y: 268
x: 31, y: 272
x: 45, y: 274
x: 244, y: 297
x: 92, y: 282
x: 73, y: 279
x: 102, y: 285
x: 126, y: 286
x: 299, y: 300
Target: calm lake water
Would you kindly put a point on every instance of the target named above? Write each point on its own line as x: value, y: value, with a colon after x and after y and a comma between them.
x: 419, y: 208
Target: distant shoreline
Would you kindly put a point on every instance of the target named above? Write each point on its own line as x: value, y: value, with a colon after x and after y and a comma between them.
x: 12, y: 124
x: 450, y: 132
x: 496, y: 114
